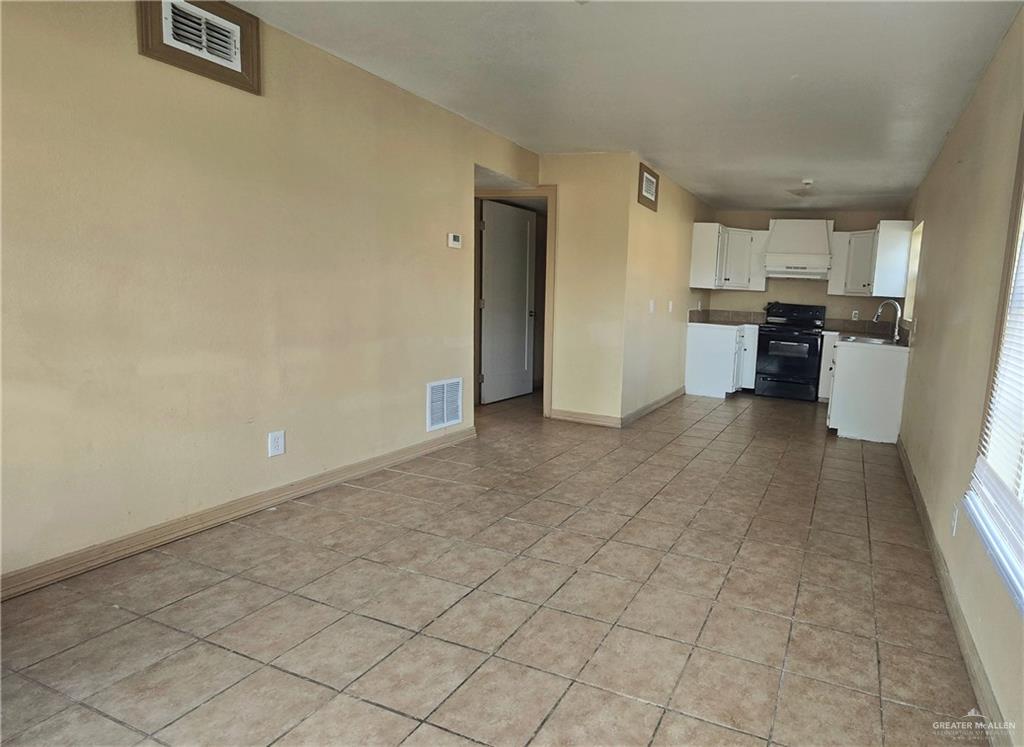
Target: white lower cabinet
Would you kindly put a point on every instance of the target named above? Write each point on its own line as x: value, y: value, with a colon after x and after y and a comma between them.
x: 748, y: 356
x: 828, y: 355
x: 713, y: 352
x: 868, y: 384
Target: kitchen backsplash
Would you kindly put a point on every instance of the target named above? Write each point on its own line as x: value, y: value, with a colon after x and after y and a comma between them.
x: 722, y: 316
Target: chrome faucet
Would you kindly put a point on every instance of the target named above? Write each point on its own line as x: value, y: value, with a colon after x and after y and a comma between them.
x: 899, y: 316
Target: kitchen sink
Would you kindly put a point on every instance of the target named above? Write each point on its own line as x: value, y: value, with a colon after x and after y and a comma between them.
x: 869, y: 340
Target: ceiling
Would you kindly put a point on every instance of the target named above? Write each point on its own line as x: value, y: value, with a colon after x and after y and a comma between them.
x: 737, y: 102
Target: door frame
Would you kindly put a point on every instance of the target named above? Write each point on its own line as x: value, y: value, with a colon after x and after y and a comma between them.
x: 549, y: 191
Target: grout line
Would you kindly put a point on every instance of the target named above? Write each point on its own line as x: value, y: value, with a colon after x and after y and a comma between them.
x: 716, y: 475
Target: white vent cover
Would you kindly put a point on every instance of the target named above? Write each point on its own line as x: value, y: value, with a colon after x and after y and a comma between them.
x: 444, y: 403
x: 191, y: 29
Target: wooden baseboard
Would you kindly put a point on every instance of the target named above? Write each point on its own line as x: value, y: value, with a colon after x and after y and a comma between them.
x: 608, y: 421
x: 651, y: 407
x: 79, y: 561
x: 987, y: 702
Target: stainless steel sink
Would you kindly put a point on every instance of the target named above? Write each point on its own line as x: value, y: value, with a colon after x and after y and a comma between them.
x: 869, y: 340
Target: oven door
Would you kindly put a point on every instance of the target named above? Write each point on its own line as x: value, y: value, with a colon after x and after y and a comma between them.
x: 783, y: 354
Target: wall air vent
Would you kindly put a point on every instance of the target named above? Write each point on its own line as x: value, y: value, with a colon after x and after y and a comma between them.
x: 207, y: 37
x: 444, y: 403
x: 191, y: 29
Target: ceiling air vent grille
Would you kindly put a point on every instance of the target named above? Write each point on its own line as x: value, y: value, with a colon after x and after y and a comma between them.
x: 191, y: 29
x: 444, y: 403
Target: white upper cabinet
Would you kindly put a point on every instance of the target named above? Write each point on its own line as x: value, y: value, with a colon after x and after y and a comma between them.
x: 757, y: 273
x: 736, y: 259
x: 860, y: 263
x: 730, y: 258
x: 892, y: 257
x: 704, y: 259
x: 871, y: 263
x: 839, y: 244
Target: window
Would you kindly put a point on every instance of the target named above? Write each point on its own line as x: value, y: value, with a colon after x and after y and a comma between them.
x: 995, y: 498
x: 912, y: 265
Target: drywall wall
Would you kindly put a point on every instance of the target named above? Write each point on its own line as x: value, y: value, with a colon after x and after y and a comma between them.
x: 612, y: 356
x: 790, y: 290
x: 590, y: 278
x: 187, y: 267
x: 658, y: 271
x: 965, y: 202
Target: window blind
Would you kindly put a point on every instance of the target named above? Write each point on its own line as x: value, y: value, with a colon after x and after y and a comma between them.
x: 995, y: 499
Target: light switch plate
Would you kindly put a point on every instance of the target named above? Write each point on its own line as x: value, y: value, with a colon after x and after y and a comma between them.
x: 669, y: 307
x: 855, y: 315
x: 650, y: 306
x: 455, y: 241
x: 275, y: 443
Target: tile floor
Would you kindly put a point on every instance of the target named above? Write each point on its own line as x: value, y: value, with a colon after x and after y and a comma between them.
x: 717, y: 573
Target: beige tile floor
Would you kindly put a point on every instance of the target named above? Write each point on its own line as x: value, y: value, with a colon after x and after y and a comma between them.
x: 717, y: 573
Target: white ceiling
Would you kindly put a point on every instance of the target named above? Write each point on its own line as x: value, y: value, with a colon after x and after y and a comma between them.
x: 735, y: 101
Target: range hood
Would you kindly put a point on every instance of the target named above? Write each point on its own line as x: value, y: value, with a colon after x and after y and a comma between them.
x: 798, y: 249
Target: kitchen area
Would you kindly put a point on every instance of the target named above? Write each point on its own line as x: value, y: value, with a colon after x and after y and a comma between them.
x: 794, y: 308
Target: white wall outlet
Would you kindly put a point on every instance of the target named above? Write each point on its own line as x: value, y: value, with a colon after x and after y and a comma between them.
x: 698, y: 304
x: 669, y: 307
x: 650, y: 306
x: 455, y: 241
x: 855, y: 315
x: 275, y: 443
x: 956, y: 515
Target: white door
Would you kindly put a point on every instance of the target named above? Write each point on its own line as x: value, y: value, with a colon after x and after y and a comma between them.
x: 860, y: 263
x: 506, y: 330
x: 736, y: 269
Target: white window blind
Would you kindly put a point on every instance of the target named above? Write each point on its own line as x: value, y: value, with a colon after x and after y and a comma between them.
x: 995, y: 499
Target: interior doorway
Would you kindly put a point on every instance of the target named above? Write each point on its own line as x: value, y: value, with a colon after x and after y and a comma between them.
x: 508, y: 282
x: 513, y: 293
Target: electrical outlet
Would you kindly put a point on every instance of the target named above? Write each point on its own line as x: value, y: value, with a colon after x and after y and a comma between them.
x: 956, y: 515
x: 855, y: 315
x: 669, y: 307
x: 650, y: 306
x: 698, y: 304
x: 275, y: 443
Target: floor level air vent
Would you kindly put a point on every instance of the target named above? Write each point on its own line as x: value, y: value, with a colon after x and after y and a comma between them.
x: 444, y: 403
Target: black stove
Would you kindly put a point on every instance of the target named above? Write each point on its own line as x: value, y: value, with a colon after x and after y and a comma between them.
x: 789, y: 351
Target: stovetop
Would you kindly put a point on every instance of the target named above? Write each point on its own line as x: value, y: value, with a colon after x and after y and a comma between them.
x: 793, y: 315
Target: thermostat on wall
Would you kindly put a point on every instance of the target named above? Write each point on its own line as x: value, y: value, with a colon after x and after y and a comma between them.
x: 455, y: 240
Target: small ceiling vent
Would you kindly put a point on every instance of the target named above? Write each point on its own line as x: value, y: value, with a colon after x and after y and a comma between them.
x: 191, y: 29
x: 444, y: 403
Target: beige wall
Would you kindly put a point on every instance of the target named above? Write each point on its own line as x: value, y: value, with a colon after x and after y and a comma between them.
x: 590, y: 279
x: 658, y: 269
x: 790, y: 290
x: 187, y: 267
x: 611, y: 356
x: 965, y: 204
